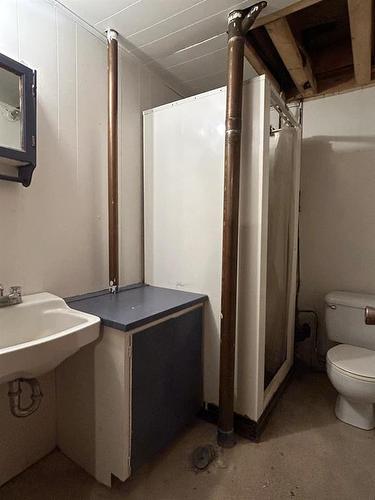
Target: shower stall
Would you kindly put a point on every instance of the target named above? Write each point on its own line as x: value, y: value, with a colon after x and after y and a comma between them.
x: 183, y: 224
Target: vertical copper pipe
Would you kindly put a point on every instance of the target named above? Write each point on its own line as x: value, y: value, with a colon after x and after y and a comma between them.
x: 230, y: 230
x: 113, y: 160
x: 239, y: 22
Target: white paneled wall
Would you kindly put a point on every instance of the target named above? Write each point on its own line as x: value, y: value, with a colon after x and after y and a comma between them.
x: 53, y: 235
x: 337, y: 199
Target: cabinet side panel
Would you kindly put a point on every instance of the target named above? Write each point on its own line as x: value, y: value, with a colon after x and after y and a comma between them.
x: 93, y: 402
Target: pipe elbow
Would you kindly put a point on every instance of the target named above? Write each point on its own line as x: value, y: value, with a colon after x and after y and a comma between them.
x: 14, y: 394
x: 251, y: 16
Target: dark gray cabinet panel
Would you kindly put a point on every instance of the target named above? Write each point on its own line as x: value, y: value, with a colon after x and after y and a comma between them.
x: 136, y: 306
x: 166, y: 383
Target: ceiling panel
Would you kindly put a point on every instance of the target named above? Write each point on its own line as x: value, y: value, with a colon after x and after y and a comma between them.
x: 197, y: 49
x: 208, y: 64
x: 195, y: 33
x: 185, y: 39
x: 144, y: 14
x: 93, y: 11
x: 209, y: 82
x: 179, y: 21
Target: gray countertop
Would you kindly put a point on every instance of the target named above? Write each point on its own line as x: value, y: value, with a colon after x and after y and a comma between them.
x: 136, y: 306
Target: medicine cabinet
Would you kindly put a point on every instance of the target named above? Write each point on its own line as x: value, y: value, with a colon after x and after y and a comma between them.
x: 17, y: 121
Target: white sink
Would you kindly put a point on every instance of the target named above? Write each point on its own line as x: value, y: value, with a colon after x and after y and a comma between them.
x: 38, y: 334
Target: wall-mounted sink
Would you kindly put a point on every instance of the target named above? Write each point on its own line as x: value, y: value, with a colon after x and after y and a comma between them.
x: 37, y: 335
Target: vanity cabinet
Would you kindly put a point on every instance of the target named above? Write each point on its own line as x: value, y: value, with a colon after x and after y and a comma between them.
x: 124, y: 398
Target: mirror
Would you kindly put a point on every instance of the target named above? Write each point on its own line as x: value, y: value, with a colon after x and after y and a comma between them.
x: 17, y: 121
x: 10, y: 110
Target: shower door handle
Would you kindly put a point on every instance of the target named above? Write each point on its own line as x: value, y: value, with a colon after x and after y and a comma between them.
x: 370, y: 315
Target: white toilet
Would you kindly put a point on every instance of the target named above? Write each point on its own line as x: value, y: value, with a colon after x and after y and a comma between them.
x: 351, y: 364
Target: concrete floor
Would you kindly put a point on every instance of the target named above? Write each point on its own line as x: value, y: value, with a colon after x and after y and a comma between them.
x: 305, y: 454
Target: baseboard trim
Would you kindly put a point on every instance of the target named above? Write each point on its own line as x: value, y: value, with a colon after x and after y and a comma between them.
x: 244, y: 426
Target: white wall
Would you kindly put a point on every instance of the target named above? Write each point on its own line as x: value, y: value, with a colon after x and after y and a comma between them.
x: 53, y: 235
x: 337, y: 199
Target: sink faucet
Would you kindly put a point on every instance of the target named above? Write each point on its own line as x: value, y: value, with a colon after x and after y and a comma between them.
x: 14, y: 297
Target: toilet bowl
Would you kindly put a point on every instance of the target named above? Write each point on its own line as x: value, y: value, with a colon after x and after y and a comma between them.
x: 351, y: 364
x: 351, y: 371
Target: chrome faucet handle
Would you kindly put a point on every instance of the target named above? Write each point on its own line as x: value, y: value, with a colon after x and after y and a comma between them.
x: 1, y: 290
x: 15, y: 290
x: 15, y: 295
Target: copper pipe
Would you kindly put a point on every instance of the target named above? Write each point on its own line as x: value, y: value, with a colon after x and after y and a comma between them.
x: 369, y: 315
x: 113, y: 160
x: 239, y: 22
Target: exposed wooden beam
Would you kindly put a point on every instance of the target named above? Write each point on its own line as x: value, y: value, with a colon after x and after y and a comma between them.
x: 286, y: 11
x: 298, y: 65
x: 258, y: 65
x: 331, y: 87
x: 361, y: 21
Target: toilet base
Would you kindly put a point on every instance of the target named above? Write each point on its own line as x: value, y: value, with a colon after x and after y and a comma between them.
x: 358, y: 414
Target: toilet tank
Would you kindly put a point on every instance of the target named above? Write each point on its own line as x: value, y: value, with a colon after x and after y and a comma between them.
x: 345, y: 318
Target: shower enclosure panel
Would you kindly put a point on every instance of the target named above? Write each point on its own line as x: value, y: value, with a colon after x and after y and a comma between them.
x: 183, y: 220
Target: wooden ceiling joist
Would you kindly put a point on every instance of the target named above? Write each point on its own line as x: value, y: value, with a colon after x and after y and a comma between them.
x: 316, y: 47
x: 297, y: 64
x: 286, y: 11
x: 258, y: 65
x: 361, y: 21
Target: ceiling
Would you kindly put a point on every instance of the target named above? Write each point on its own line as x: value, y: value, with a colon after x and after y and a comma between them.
x: 184, y: 39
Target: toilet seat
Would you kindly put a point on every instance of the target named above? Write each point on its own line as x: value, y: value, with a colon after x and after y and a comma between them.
x: 352, y: 361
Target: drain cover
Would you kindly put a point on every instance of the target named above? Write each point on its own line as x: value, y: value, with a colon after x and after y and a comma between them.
x: 203, y: 456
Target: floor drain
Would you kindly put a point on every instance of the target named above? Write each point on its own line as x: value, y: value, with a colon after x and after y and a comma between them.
x: 203, y: 456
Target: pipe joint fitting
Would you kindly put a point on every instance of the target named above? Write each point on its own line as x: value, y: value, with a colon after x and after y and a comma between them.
x: 111, y: 35
x: 15, y: 392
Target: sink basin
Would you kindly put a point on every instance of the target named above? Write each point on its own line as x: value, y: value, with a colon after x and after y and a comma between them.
x: 37, y: 335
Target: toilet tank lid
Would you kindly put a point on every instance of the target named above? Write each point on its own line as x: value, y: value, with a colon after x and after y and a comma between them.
x: 350, y: 299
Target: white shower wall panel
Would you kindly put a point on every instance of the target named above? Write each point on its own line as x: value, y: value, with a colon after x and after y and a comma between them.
x: 184, y: 182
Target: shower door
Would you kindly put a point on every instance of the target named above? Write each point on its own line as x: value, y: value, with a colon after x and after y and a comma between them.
x: 281, y: 245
